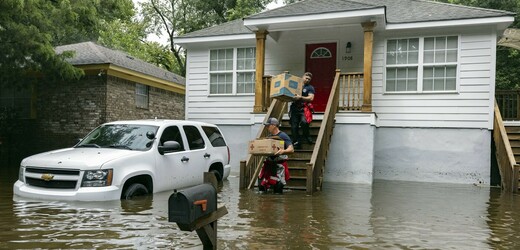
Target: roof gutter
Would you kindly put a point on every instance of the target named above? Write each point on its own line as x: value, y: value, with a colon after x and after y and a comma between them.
x: 191, y: 40
x: 502, y: 23
x: 263, y: 23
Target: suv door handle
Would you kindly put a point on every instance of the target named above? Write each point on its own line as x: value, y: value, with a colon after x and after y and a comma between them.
x: 185, y: 159
x: 206, y: 155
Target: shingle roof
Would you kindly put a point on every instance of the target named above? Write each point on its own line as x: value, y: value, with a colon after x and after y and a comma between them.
x: 235, y: 27
x: 397, y: 11
x: 409, y: 11
x: 90, y: 53
x: 309, y: 7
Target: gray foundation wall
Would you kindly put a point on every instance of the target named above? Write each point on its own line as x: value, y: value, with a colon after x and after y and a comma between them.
x: 360, y: 153
x: 351, y: 157
x: 433, y: 155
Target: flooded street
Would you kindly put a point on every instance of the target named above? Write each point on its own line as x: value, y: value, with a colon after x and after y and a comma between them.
x: 389, y: 215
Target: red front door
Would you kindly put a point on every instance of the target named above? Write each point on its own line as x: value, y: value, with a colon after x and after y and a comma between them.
x: 320, y: 60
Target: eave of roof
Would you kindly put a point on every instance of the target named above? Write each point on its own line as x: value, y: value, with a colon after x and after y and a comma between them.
x: 398, y: 14
x: 89, y: 56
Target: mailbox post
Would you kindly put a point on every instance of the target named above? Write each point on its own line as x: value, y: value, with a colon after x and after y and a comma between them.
x: 195, y: 208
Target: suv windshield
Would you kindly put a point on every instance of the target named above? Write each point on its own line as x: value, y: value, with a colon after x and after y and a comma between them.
x: 122, y: 136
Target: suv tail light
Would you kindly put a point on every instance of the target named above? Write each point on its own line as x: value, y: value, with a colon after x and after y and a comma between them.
x: 228, y: 155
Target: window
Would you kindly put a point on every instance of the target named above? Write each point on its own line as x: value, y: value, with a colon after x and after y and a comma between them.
x: 120, y: 136
x: 141, y: 96
x: 232, y: 71
x: 422, y: 64
x: 321, y: 52
x: 214, y: 136
x: 172, y: 133
x: 194, y: 137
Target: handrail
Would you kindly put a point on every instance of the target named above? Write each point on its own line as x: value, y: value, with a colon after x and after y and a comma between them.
x: 250, y: 168
x: 505, y: 157
x: 316, y: 165
x: 509, y: 103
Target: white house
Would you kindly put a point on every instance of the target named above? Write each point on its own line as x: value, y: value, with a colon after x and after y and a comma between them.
x: 427, y: 113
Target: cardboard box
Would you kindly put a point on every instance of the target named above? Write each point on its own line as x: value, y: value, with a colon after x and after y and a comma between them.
x: 285, y: 86
x: 265, y: 146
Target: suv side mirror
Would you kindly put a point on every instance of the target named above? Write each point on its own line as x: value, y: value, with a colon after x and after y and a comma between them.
x: 169, y: 146
x: 150, y: 135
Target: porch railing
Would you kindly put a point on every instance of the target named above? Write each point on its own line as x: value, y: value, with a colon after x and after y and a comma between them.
x: 351, y: 91
x: 316, y: 166
x: 266, y: 92
x: 508, y: 103
x: 346, y: 94
x: 250, y: 168
x: 509, y: 170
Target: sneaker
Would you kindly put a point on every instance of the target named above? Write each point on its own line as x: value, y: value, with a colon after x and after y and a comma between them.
x: 297, y: 145
x: 309, y: 140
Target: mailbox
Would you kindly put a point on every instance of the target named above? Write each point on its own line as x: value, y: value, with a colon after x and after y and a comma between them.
x: 190, y: 204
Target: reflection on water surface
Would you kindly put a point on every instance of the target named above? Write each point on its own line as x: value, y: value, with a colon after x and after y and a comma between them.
x: 387, y: 214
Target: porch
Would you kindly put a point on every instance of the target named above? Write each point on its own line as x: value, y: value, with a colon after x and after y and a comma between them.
x: 350, y: 92
x: 307, y: 165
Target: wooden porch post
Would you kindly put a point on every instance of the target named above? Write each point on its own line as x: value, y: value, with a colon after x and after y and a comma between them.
x: 368, y: 28
x: 260, y: 60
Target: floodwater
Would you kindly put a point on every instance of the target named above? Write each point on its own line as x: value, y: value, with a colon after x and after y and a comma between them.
x: 385, y: 215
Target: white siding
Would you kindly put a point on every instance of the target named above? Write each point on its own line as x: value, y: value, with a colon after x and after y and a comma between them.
x: 200, y: 106
x: 285, y: 51
x: 468, y: 108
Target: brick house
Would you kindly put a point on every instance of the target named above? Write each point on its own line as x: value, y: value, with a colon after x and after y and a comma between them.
x: 116, y: 86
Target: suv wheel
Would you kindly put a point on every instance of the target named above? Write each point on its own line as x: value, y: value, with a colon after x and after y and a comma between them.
x: 217, y: 175
x: 135, y: 189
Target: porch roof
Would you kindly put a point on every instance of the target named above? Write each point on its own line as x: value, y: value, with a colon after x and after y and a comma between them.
x: 330, y: 12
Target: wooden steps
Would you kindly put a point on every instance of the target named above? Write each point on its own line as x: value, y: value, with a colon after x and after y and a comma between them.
x: 301, y: 157
x: 513, y: 135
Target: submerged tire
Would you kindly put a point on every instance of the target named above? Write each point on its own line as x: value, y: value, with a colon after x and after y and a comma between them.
x: 217, y: 175
x: 135, y: 189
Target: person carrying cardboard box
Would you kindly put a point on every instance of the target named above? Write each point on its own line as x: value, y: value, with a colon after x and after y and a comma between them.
x: 297, y: 112
x: 275, y: 172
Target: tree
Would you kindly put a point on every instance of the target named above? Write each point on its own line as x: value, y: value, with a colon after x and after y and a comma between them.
x: 27, y: 30
x: 177, y: 17
x: 30, y: 29
x: 508, y: 59
x: 130, y: 37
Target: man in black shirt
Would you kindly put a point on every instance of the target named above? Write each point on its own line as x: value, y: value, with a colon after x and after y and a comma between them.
x: 297, y: 115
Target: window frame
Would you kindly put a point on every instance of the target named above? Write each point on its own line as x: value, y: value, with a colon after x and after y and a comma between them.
x: 145, y: 96
x: 421, y: 66
x: 190, y: 131
x: 234, y: 72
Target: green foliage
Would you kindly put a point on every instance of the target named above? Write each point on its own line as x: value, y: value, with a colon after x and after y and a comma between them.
x: 30, y: 29
x: 130, y: 37
x: 177, y: 17
x: 508, y: 59
x: 27, y: 30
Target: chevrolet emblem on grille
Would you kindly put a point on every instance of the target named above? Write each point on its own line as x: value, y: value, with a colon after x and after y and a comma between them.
x: 47, y: 177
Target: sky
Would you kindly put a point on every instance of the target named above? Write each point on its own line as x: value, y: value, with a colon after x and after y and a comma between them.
x: 164, y: 40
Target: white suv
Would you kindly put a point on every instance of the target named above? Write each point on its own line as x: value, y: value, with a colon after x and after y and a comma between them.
x: 119, y: 160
